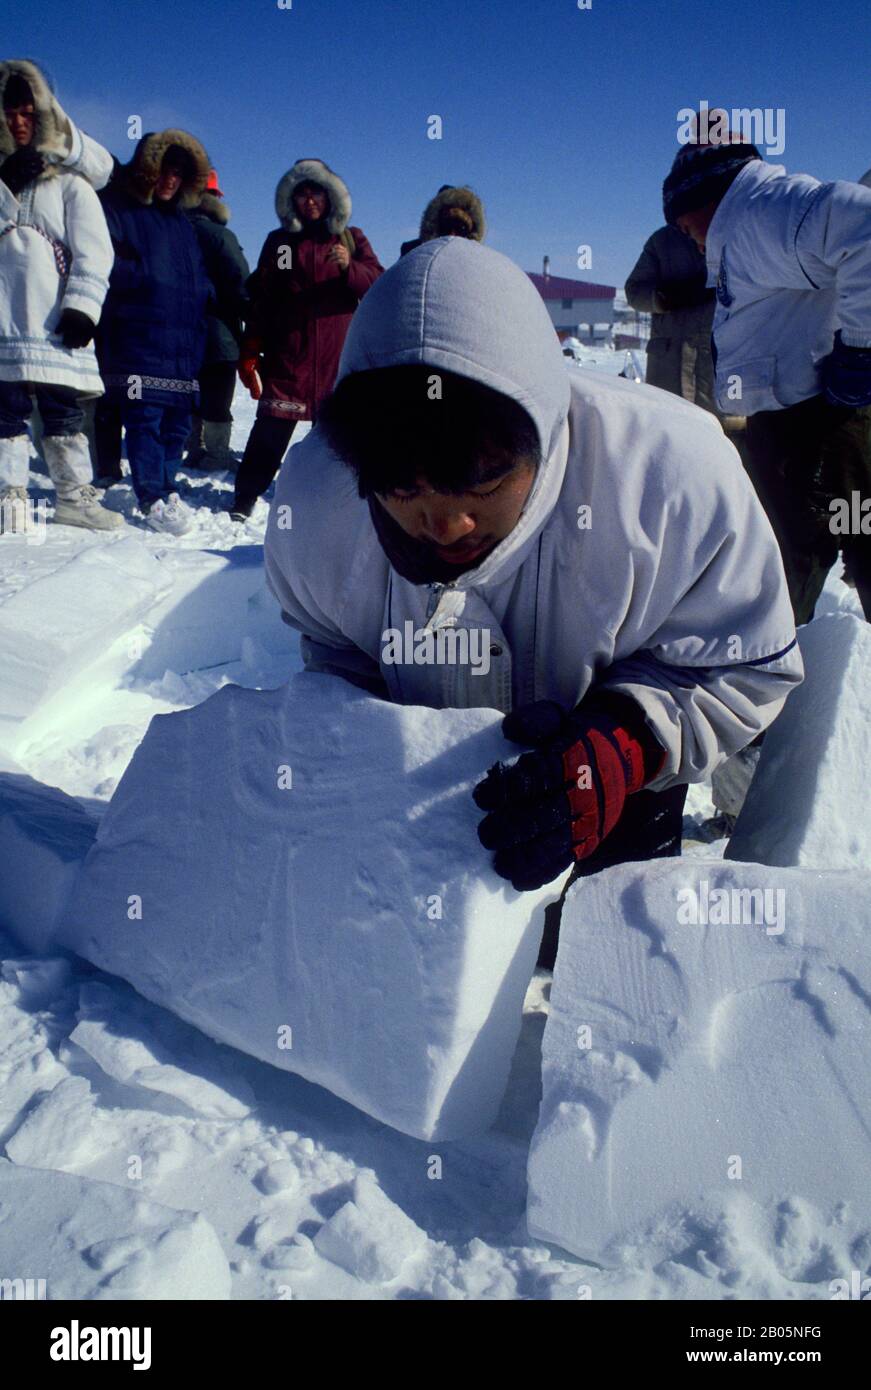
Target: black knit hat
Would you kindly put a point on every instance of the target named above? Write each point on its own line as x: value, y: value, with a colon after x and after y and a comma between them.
x: 701, y: 173
x: 17, y: 92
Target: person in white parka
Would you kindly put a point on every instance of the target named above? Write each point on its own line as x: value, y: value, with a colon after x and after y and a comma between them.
x: 469, y: 524
x: 55, y: 259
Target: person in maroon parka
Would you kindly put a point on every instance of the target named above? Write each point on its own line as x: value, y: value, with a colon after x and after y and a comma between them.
x: 312, y: 273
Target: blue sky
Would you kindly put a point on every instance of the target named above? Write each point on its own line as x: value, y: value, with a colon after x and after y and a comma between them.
x: 564, y: 120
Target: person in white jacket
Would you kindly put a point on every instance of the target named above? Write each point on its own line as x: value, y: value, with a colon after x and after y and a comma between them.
x: 55, y: 259
x: 791, y: 258
x: 470, y: 525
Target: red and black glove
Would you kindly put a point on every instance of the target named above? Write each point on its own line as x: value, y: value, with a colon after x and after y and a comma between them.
x: 557, y: 804
x: 250, y: 363
x: 75, y: 328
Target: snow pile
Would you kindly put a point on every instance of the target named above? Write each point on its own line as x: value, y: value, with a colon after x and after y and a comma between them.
x: 54, y: 627
x: 707, y: 1043
x: 297, y: 872
x: 45, y: 835
x: 95, y: 1240
x: 808, y: 803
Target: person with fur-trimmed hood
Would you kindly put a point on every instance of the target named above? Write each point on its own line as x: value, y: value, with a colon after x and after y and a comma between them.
x: 55, y: 259
x: 151, y: 338
x: 454, y: 211
x: 312, y: 273
x: 228, y: 270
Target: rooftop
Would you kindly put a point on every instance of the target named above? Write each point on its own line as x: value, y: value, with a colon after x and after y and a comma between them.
x: 558, y: 287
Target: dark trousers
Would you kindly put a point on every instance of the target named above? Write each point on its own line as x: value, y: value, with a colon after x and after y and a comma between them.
x: 266, y: 447
x: 650, y: 828
x: 108, y: 428
x: 799, y: 460
x: 58, y: 406
x: 217, y: 384
x: 155, y: 439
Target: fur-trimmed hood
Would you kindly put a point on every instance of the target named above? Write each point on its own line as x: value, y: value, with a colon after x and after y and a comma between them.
x: 52, y: 132
x: 464, y: 198
x: 213, y: 207
x: 313, y: 171
x: 141, y: 174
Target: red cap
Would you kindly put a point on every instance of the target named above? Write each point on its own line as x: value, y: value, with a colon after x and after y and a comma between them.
x: 212, y: 183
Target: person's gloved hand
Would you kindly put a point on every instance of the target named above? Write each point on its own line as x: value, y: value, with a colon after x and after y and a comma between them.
x: 75, y: 328
x: 557, y: 804
x: 847, y: 375
x: 21, y: 167
x: 249, y: 370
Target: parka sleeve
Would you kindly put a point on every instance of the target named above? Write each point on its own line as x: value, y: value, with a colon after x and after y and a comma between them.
x: 833, y: 246
x: 365, y: 267
x: 644, y: 280
x: 88, y: 239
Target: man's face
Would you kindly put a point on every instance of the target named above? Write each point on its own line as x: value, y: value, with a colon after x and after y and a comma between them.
x: 695, y: 224
x: 168, y: 184
x: 20, y: 121
x: 462, y: 529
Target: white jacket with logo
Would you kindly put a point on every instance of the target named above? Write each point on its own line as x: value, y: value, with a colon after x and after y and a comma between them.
x: 791, y: 258
x: 674, y: 593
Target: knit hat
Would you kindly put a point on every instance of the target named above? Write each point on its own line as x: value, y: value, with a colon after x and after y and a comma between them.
x: 702, y: 173
x: 17, y: 92
x: 212, y: 185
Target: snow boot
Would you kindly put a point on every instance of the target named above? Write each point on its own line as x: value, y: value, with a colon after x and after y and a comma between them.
x: 218, y: 454
x: 169, y: 515
x: 78, y: 502
x: 14, y: 511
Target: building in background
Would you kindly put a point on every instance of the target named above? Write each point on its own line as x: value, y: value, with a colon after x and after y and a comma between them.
x: 579, y: 308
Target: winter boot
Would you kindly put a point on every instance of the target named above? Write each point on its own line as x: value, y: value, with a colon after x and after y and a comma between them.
x: 170, y: 515
x: 14, y: 511
x: 78, y: 502
x: 218, y: 454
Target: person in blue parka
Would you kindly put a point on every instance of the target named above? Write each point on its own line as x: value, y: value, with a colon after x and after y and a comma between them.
x: 151, y: 338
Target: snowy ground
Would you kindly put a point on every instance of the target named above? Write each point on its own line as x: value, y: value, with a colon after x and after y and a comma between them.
x: 266, y: 1157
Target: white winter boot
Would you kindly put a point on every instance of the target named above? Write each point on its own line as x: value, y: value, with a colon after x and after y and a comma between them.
x: 14, y: 511
x: 14, y: 468
x: 171, y: 515
x: 78, y: 501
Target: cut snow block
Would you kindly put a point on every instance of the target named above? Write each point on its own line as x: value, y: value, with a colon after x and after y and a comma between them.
x: 59, y: 624
x: 705, y: 1057
x: 44, y: 837
x: 808, y: 803
x: 297, y: 872
x: 65, y: 1237
x: 370, y: 1237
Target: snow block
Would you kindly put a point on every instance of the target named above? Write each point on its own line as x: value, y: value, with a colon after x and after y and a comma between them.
x: 44, y: 837
x: 60, y: 623
x: 370, y: 1237
x: 93, y: 1240
x: 808, y: 803
x: 703, y: 1051
x: 297, y: 872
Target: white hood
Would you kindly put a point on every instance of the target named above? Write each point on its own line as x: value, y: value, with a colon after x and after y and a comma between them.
x: 435, y: 307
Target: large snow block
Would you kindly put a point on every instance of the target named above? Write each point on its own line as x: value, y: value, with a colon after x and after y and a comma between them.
x: 808, y: 802
x: 707, y: 1046
x: 56, y: 626
x: 297, y: 872
x: 44, y: 837
x: 65, y: 1237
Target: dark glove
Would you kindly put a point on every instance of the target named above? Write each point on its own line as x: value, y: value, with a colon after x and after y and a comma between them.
x: 684, y: 294
x: 847, y: 375
x: 75, y: 328
x: 21, y: 167
x: 557, y: 804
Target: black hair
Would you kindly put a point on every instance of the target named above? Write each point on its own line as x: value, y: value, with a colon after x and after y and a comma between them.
x: 393, y: 425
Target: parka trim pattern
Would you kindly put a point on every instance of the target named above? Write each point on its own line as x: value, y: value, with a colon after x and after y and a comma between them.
x: 313, y: 171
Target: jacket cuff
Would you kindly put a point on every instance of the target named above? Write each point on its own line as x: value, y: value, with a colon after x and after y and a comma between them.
x: 626, y: 713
